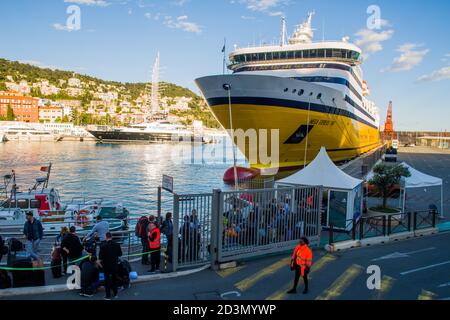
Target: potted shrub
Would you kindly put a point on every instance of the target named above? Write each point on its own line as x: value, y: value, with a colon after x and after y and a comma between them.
x: 384, y: 179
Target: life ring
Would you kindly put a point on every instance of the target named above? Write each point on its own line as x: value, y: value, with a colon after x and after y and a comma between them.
x: 82, y: 220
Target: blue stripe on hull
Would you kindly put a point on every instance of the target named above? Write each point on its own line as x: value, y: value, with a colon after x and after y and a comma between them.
x: 287, y: 104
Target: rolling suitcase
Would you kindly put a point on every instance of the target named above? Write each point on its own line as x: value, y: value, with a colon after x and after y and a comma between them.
x: 56, y: 268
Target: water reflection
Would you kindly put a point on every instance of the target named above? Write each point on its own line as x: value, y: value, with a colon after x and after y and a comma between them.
x: 122, y: 173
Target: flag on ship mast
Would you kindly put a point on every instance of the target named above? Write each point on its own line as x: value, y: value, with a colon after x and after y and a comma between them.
x: 224, y: 54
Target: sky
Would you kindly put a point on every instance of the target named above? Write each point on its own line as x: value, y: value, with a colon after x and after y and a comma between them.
x: 407, y: 49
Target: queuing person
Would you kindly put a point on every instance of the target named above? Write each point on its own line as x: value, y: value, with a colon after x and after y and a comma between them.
x: 154, y: 243
x: 301, y: 263
x: 33, y: 233
x: 2, y: 248
x: 109, y: 255
x: 64, y: 231
x: 167, y: 229
x: 71, y: 246
x: 184, y: 247
x: 90, y: 277
x: 195, y: 237
x: 100, y: 230
x: 141, y: 233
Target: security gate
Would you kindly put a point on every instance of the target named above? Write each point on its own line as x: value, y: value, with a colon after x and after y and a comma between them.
x: 258, y: 222
x: 225, y: 226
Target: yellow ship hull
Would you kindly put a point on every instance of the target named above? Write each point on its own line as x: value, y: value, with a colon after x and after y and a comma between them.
x: 342, y: 137
x: 308, y: 116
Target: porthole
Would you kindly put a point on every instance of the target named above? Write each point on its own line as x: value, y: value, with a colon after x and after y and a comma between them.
x: 301, y: 92
x: 294, y: 91
x: 286, y: 89
x: 319, y: 96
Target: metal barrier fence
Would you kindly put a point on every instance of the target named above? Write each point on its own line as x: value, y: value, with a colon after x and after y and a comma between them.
x: 131, y: 246
x: 383, y: 225
x: 192, y: 230
x: 252, y: 223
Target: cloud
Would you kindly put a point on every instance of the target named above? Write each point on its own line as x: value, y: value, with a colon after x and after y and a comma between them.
x: 97, y: 3
x: 155, y: 16
x: 371, y: 41
x: 276, y: 14
x: 248, y: 18
x: 180, y: 3
x: 182, y: 23
x: 438, y: 75
x: 408, y: 59
x: 263, y: 5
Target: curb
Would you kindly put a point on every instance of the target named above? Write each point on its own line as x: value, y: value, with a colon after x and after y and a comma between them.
x: 4, y: 293
x: 364, y: 243
x: 344, y: 245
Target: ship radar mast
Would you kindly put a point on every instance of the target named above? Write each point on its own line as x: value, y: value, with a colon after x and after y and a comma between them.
x: 303, y: 33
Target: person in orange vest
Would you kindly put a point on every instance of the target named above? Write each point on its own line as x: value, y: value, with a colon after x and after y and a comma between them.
x: 154, y: 244
x: 301, y: 262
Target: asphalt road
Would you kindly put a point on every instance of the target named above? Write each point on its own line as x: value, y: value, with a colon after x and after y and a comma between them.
x: 410, y: 270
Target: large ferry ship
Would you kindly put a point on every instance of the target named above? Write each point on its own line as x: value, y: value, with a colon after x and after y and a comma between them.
x: 313, y: 92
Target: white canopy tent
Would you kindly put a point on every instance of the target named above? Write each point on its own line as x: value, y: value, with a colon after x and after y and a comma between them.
x: 417, y: 179
x: 338, y: 185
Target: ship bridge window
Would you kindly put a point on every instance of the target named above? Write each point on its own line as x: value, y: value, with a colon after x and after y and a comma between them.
x: 291, y: 54
x: 283, y: 55
x: 336, y: 53
x: 313, y: 53
x: 23, y: 203
x: 276, y: 56
x: 321, y: 53
x: 35, y: 204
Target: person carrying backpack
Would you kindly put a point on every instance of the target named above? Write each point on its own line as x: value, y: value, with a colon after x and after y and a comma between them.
x: 141, y: 233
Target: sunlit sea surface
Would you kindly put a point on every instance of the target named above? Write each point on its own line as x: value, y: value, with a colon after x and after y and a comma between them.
x: 126, y: 174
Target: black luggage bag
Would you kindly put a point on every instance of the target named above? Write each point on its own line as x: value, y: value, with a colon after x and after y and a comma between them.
x: 5, y: 280
x: 25, y: 276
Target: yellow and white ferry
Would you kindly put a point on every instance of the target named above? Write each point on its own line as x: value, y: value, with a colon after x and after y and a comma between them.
x: 313, y: 92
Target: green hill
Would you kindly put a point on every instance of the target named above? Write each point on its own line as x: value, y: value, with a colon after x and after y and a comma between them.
x: 33, y: 74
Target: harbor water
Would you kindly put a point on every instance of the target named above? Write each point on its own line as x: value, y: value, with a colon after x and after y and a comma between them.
x: 126, y: 174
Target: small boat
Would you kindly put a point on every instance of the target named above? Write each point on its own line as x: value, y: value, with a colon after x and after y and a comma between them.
x: 45, y: 204
x: 26, y: 133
